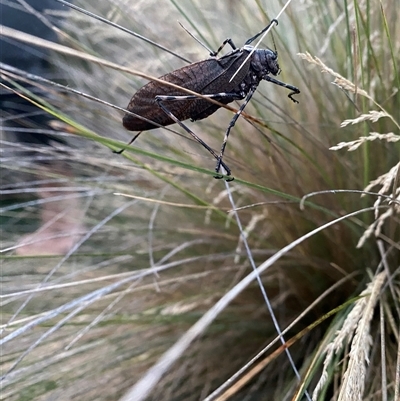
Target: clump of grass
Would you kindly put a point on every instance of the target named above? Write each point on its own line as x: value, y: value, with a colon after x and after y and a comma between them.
x: 150, y: 267
x: 356, y: 326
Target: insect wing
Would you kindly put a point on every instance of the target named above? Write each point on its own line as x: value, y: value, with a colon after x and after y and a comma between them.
x: 144, y: 104
x: 206, y: 77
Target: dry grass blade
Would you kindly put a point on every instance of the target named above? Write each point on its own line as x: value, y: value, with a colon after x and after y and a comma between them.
x: 354, y: 377
x: 340, y: 81
x: 357, y: 324
x: 389, y: 183
x: 373, y: 116
x: 373, y: 136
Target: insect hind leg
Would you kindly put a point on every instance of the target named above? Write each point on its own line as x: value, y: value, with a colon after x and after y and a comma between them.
x: 226, y: 41
x: 118, y: 152
x: 253, y: 38
x: 160, y: 99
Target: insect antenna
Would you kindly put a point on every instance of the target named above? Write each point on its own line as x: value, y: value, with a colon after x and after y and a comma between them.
x: 197, y: 40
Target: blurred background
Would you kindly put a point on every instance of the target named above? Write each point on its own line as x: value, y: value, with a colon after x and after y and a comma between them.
x: 97, y: 286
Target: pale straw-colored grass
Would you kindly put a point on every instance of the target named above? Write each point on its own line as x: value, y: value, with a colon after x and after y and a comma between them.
x: 355, y: 333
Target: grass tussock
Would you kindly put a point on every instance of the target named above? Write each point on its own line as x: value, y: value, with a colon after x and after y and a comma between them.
x: 156, y: 294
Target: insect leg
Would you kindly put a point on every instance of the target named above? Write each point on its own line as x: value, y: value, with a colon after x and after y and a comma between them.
x: 230, y: 126
x: 212, y: 54
x: 294, y: 90
x: 118, y: 152
x: 233, y: 96
x: 159, y: 100
x: 274, y: 21
x: 229, y: 41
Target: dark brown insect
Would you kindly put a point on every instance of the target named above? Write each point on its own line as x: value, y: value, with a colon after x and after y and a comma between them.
x: 162, y: 105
